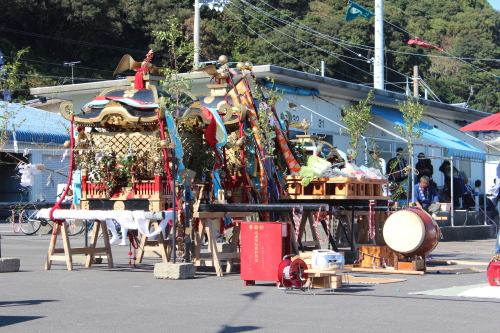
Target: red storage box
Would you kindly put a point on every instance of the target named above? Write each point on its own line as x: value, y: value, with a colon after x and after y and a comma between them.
x: 263, y: 246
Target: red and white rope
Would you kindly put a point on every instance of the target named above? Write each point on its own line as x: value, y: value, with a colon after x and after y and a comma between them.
x: 372, y: 219
x: 296, y: 222
x: 316, y: 222
x: 13, y: 221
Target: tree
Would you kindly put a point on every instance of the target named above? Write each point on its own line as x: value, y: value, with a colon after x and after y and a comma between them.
x: 356, y: 118
x: 11, y: 82
x: 412, y: 112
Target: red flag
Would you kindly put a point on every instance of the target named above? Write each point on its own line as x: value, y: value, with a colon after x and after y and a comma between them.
x: 210, y: 131
x: 423, y: 43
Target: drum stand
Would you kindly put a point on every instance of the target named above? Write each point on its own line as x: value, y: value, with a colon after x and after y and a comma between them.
x: 417, y: 263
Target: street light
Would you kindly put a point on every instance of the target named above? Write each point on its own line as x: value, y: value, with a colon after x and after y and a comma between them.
x: 213, y: 4
x: 72, y: 65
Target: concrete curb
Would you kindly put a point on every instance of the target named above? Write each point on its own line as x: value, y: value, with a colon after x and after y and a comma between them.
x: 171, y: 271
x: 472, y: 232
x: 9, y: 265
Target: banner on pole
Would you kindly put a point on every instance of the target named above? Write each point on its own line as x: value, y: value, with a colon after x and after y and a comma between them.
x: 354, y: 11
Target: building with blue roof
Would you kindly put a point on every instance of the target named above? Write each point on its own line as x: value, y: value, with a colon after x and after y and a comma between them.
x: 33, y: 136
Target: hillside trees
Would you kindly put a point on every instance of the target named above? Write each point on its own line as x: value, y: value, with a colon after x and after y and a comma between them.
x: 99, y: 32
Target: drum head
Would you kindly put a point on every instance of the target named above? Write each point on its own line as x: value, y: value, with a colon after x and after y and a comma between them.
x: 404, y: 231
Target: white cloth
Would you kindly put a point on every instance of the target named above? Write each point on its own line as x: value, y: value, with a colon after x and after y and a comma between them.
x: 134, y: 220
x: 28, y: 171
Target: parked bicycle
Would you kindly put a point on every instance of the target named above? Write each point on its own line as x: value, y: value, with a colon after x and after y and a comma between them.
x: 29, y: 224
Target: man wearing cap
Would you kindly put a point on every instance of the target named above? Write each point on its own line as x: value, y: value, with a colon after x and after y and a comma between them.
x: 396, y: 167
x: 426, y: 197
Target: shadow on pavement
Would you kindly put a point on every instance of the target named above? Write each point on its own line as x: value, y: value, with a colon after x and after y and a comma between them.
x: 235, y: 329
x: 10, y: 320
x: 28, y: 302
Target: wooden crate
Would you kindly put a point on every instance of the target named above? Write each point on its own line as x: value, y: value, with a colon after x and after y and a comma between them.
x: 369, y: 189
x: 391, y: 258
x: 326, y: 282
x: 318, y: 188
x: 378, y: 186
x: 294, y: 188
x: 345, y: 188
x: 333, y: 188
x: 366, y: 253
x: 360, y: 189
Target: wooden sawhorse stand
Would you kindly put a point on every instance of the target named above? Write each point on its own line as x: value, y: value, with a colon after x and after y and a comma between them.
x: 159, y: 244
x: 69, y: 251
x: 205, y: 225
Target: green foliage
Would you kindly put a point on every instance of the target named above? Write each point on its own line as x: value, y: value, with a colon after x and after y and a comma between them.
x: 465, y: 28
x: 267, y: 98
x: 180, y: 54
x: 12, y: 83
x: 412, y: 112
x: 356, y: 118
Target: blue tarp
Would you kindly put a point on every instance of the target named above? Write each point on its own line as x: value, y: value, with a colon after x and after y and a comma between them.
x: 456, y: 147
x: 35, y: 125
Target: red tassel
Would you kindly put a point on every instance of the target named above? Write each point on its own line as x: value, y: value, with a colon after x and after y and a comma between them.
x: 139, y: 78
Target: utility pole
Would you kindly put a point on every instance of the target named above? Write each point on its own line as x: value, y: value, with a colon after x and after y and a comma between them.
x: 378, y: 69
x: 416, y: 77
x: 196, y: 58
x: 72, y: 65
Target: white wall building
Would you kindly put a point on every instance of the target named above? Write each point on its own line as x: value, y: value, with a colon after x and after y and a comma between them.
x: 320, y: 101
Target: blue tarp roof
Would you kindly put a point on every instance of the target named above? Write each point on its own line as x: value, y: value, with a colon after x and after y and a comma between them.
x: 35, y: 125
x: 456, y: 147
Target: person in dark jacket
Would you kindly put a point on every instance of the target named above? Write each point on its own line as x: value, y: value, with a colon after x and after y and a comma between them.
x: 396, y: 167
x: 424, y: 167
x: 458, y: 185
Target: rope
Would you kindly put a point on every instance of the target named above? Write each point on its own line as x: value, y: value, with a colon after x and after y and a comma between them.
x: 372, y: 231
x: 133, y: 244
x: 316, y: 222
x: 13, y: 221
x: 296, y: 221
x: 70, y: 175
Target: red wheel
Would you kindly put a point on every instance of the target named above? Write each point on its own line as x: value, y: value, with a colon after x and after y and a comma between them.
x: 297, y: 276
x: 283, y: 273
x: 493, y: 273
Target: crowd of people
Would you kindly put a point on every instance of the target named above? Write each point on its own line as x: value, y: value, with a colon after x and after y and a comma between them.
x: 426, y: 193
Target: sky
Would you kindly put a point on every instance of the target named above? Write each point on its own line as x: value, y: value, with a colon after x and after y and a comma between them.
x: 495, y: 4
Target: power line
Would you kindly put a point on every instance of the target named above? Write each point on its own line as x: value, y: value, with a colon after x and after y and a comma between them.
x: 60, y: 77
x: 296, y: 38
x: 289, y: 55
x: 57, y: 64
x: 307, y: 30
x: 299, y: 26
x: 67, y: 40
x: 369, y: 47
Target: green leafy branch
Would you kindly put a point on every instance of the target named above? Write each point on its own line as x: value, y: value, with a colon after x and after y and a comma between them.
x: 357, y: 119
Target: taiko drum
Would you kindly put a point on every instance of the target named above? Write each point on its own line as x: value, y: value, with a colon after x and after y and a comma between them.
x: 411, y: 231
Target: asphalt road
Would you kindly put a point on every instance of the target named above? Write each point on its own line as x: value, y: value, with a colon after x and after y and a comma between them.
x: 130, y: 299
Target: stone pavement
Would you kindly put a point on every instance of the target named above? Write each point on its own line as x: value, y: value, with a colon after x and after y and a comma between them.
x: 130, y: 299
